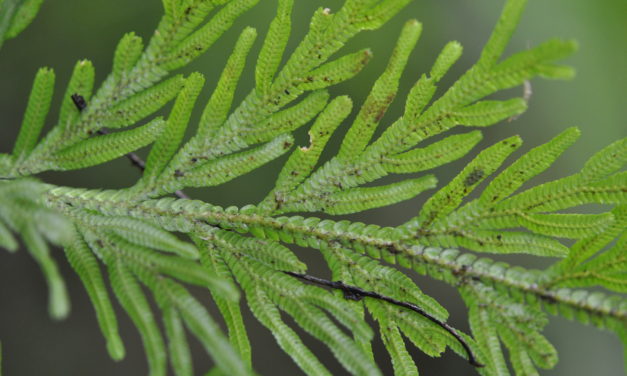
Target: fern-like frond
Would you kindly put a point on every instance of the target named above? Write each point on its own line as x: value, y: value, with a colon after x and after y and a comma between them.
x: 152, y: 246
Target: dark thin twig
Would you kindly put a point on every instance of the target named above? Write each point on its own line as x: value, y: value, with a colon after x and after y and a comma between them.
x: 81, y: 104
x: 350, y: 292
x: 357, y: 293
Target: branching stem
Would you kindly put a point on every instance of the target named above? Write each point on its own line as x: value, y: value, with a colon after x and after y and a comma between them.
x: 357, y: 293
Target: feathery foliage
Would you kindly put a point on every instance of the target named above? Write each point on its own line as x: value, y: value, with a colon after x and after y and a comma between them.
x: 146, y: 245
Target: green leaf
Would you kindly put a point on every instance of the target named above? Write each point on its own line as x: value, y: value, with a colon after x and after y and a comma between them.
x: 434, y: 155
x: 267, y: 313
x: 448, y: 198
x: 451, y: 52
x: 203, y: 38
x: 230, y: 310
x: 23, y: 16
x: 86, y: 266
x: 168, y: 141
x: 303, y: 160
x: 287, y: 120
x: 141, y: 105
x: 7, y: 241
x: 127, y: 54
x: 202, y: 326
x: 605, y: 162
x: 336, y: 71
x: 217, y: 109
x: 486, y: 113
x: 359, y: 199
x: 178, y: 347
x: 81, y: 83
x: 273, y: 47
x: 527, y: 166
x: 101, y: 149
x: 229, y: 167
x: 381, y: 95
x: 36, y: 111
x: 59, y: 304
x: 132, y: 298
x: 502, y: 33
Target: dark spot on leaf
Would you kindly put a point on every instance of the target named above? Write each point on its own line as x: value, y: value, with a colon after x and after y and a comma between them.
x: 474, y: 177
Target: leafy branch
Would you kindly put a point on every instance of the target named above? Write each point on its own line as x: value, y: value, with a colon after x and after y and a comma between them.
x: 235, y: 252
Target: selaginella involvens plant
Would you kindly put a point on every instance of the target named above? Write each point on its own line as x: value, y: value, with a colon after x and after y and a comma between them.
x: 152, y: 238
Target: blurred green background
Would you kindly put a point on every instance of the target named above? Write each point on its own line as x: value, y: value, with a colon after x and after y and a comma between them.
x: 68, y: 30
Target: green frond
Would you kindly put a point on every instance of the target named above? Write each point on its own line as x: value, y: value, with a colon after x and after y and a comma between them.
x: 101, y: 149
x: 168, y: 141
x: 86, y: 266
x: 378, y: 14
x: 217, y: 109
x: 231, y: 313
x: 81, y: 83
x: 450, y: 196
x: 336, y: 71
x: 176, y: 267
x: 7, y: 241
x: 142, y: 233
x: 573, y: 226
x: 424, y: 89
x: 22, y: 17
x: 401, y: 359
x: 273, y: 47
x: 144, y: 103
x: 486, y: 337
x: 200, y: 40
x: 137, y: 233
x: 492, y: 241
x: 420, y: 159
x: 35, y: 114
x: 59, y: 304
x: 381, y: 95
x: 178, y: 348
x: 486, y: 113
x: 449, y: 55
x: 287, y: 120
x: 359, y: 199
x: 605, y: 162
x: 292, y: 296
x: 527, y: 166
x: 268, y: 314
x: 568, y: 192
x: 130, y: 295
x: 304, y: 159
x: 502, y: 33
x: 207, y: 331
x: 127, y: 53
x: 221, y: 170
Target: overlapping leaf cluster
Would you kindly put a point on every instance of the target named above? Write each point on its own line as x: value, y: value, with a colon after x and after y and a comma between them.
x: 242, y: 251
